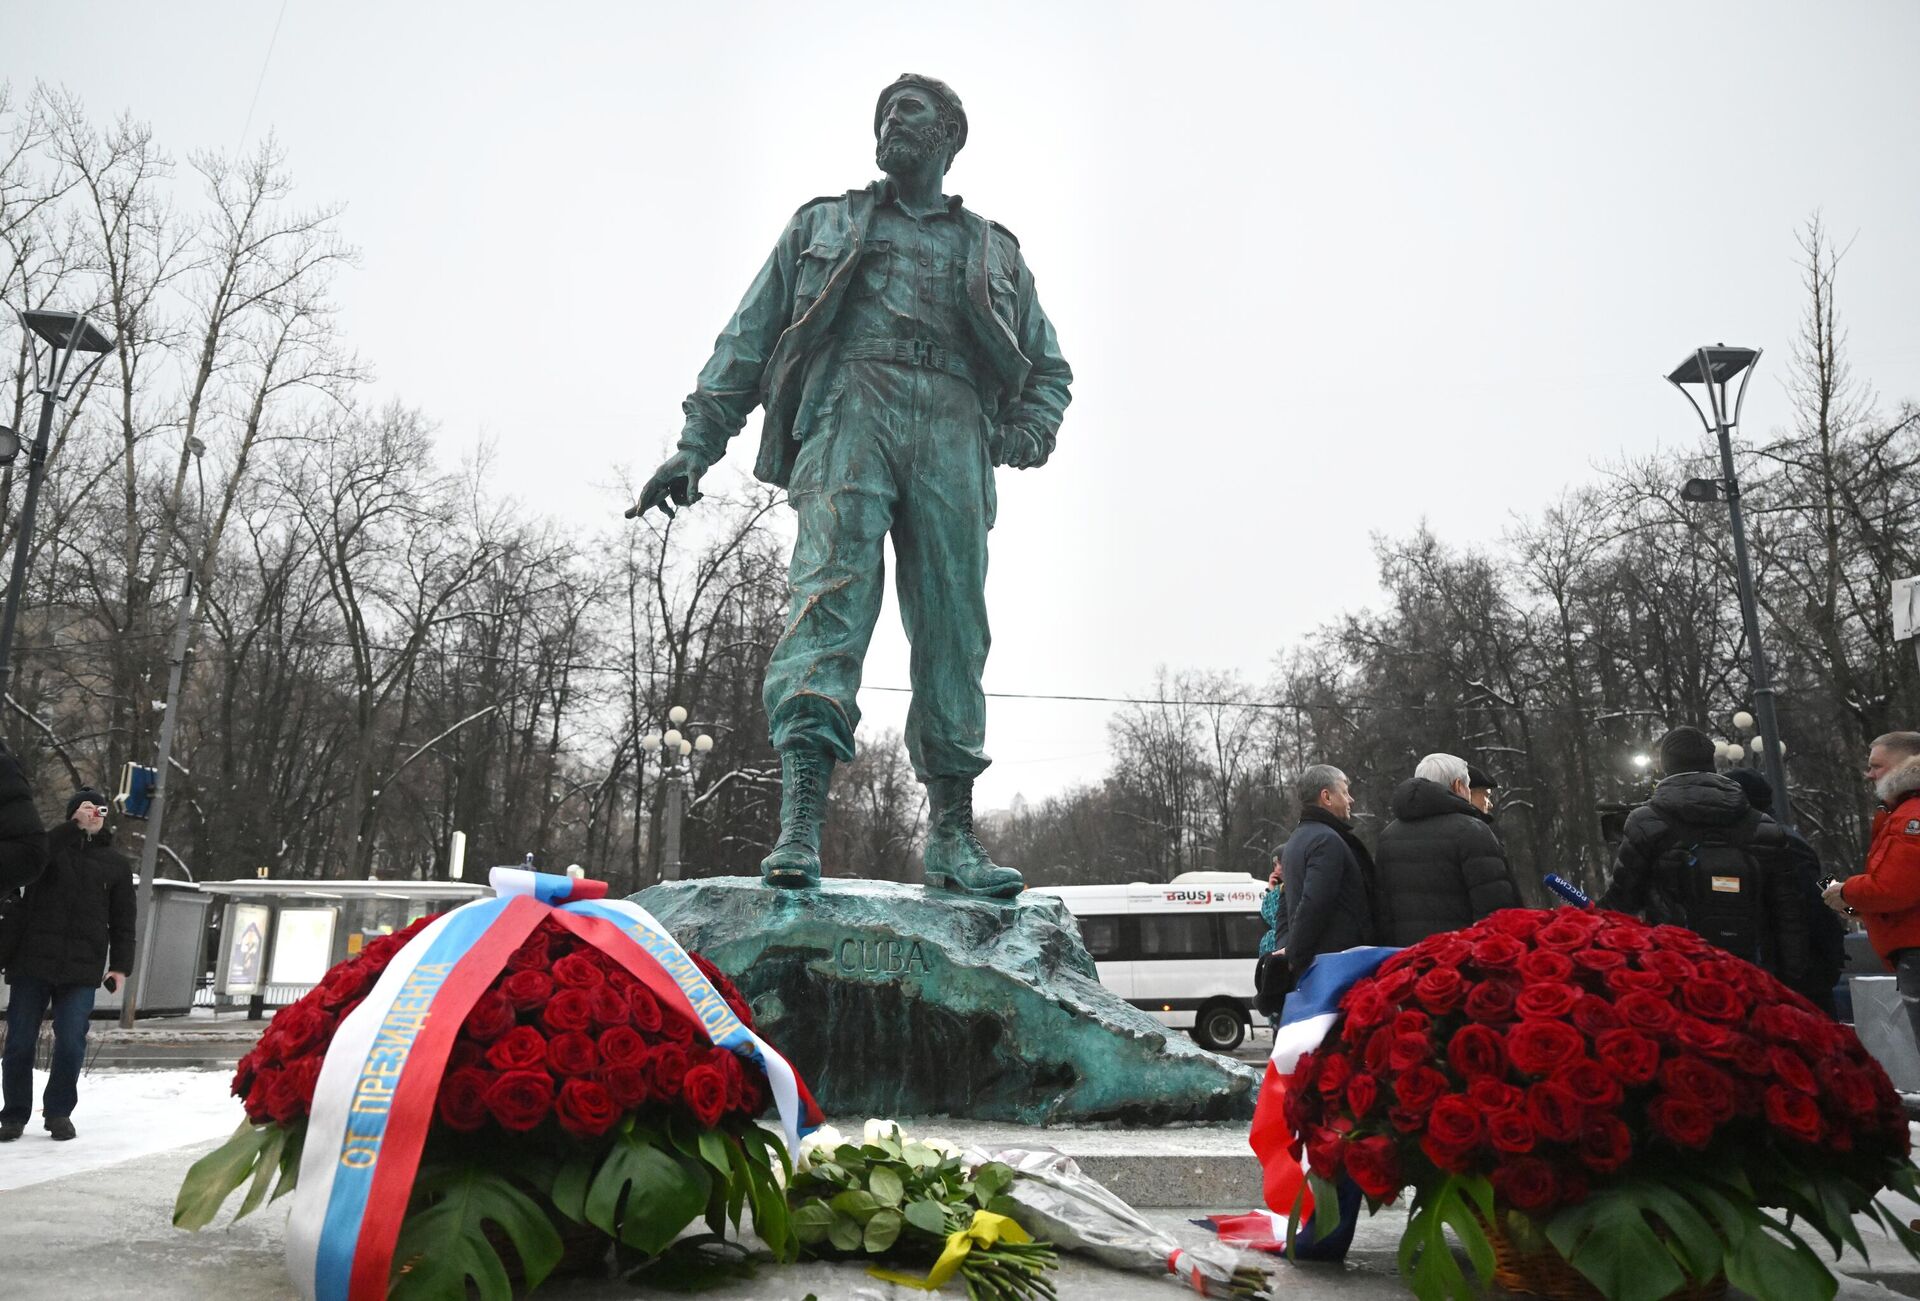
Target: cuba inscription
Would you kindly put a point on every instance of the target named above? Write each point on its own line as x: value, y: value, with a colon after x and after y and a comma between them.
x: 881, y: 957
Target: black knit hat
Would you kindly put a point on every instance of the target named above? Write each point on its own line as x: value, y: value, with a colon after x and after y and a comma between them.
x: 86, y: 795
x: 1686, y: 749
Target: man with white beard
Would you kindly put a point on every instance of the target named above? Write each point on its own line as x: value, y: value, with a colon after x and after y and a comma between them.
x: 899, y: 350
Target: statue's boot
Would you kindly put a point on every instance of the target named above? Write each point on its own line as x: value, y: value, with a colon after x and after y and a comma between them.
x: 795, y: 860
x: 956, y: 860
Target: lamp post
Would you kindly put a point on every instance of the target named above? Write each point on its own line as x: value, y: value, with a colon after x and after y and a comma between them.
x: 58, y: 337
x: 157, y: 811
x: 1711, y: 369
x: 676, y: 753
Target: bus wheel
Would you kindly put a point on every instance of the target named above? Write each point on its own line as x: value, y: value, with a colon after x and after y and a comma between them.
x: 1219, y: 1027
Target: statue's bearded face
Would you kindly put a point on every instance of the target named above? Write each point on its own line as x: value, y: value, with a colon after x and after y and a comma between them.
x: 912, y: 133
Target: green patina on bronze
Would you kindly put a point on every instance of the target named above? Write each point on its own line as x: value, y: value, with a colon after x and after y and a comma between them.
x: 892, y: 1004
x: 896, y: 343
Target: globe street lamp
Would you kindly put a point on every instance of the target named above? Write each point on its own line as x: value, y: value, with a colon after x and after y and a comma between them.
x: 676, y: 770
x: 1711, y: 370
x: 58, y: 337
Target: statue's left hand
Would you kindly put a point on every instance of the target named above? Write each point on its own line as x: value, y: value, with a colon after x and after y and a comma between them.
x: 1018, y: 448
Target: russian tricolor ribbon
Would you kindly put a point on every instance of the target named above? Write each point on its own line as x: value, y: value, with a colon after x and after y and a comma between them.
x: 1310, y: 1011
x: 375, y: 1097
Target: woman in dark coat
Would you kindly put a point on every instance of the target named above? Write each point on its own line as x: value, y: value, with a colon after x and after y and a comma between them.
x: 23, y: 838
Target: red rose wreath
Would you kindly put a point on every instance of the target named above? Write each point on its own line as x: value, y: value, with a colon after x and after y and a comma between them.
x: 1560, y: 1057
x: 564, y: 1034
x: 576, y: 1112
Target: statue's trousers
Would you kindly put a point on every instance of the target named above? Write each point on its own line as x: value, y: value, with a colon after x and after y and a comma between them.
x: 901, y: 450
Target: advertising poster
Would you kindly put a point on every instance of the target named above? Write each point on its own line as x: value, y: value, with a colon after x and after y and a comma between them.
x: 303, y: 950
x: 247, y: 929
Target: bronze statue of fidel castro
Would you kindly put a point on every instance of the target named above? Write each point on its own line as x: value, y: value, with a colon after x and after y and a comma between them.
x: 895, y: 341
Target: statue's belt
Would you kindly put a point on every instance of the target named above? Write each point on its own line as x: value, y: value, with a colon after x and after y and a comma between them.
x: 909, y: 352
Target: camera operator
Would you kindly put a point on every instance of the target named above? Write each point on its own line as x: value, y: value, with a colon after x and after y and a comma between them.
x: 78, y: 919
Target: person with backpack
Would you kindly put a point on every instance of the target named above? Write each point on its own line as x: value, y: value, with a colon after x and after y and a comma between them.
x: 1699, y: 855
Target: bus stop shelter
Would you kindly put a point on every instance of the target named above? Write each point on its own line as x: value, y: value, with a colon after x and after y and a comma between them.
x: 273, y: 939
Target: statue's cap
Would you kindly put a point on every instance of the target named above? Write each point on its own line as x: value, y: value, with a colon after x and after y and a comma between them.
x: 940, y: 90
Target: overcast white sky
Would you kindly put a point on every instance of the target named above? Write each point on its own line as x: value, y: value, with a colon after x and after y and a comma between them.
x: 1320, y: 270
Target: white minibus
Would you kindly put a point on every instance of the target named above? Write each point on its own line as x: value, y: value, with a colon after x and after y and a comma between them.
x: 1183, y: 951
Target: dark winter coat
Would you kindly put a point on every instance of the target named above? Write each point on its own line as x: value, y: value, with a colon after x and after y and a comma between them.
x: 23, y: 839
x: 1826, y: 933
x: 1649, y: 872
x: 1440, y: 867
x: 79, y: 914
x: 1328, y: 878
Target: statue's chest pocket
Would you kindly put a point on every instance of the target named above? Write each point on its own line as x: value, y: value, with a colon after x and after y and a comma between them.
x: 811, y: 276
x: 876, y: 267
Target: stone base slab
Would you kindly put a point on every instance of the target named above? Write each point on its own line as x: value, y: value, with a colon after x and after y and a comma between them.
x: 893, y: 1000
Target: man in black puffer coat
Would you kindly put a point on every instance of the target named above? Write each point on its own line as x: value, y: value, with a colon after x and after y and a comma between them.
x: 1699, y: 855
x: 1826, y: 933
x: 79, y: 921
x: 1440, y: 865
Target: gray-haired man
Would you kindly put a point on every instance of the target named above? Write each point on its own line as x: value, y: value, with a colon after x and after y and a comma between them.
x: 1441, y: 866
x: 1328, y: 877
x: 1328, y: 873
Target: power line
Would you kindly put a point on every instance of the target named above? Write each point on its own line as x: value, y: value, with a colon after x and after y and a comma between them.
x: 586, y: 666
x: 261, y: 80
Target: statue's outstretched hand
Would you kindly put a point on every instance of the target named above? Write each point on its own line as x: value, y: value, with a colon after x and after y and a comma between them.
x: 676, y: 483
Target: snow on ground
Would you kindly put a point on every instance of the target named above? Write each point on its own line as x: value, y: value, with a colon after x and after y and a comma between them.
x: 122, y: 1115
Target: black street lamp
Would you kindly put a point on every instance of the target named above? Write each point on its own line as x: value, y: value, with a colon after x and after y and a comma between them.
x: 58, y: 337
x: 1711, y: 370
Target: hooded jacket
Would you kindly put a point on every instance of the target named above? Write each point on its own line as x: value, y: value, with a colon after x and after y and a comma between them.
x: 1686, y: 809
x: 1328, y: 878
x: 1440, y: 867
x: 79, y: 914
x: 1887, y: 893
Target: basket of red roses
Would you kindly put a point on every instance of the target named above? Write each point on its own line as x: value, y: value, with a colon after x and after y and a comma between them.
x: 1598, y: 1107
x: 580, y: 1113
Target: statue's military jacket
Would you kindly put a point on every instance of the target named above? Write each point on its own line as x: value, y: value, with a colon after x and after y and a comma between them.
x: 778, y: 350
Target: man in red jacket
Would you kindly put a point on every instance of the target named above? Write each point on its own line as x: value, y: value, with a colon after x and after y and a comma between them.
x: 1887, y: 893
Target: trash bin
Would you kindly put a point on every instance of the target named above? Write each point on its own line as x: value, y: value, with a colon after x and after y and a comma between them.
x: 170, y: 965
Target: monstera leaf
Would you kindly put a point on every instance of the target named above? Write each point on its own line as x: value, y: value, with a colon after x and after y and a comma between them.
x: 644, y: 1194
x: 254, y: 1152
x: 443, y: 1242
